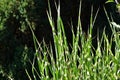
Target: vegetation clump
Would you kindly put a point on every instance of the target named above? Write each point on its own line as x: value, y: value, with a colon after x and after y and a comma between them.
x: 40, y: 43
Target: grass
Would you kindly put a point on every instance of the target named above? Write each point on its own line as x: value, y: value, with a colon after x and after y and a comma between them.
x: 80, y: 63
x: 58, y: 61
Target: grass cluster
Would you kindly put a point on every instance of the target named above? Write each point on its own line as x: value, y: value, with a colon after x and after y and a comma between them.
x: 80, y: 63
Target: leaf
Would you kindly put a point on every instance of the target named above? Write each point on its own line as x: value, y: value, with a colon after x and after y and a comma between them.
x: 115, y: 25
x: 109, y: 1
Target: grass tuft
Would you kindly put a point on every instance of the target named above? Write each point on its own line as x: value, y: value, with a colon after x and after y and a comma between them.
x: 80, y: 63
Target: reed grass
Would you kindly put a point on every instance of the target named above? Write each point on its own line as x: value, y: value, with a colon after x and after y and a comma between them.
x: 80, y: 63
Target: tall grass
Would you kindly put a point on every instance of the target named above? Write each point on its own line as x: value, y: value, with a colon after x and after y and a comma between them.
x: 80, y: 63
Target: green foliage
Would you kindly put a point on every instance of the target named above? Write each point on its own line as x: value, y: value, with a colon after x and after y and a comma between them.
x: 17, y: 25
x: 80, y: 63
x: 13, y: 31
x: 110, y: 1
